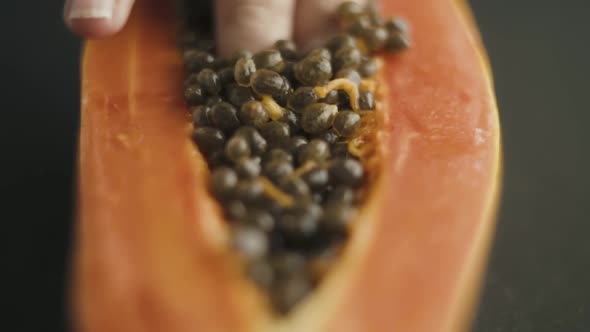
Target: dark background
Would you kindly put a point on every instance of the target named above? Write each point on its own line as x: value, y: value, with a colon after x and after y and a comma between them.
x: 539, y: 277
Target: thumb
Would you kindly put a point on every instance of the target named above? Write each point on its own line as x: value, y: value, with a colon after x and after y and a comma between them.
x: 96, y: 18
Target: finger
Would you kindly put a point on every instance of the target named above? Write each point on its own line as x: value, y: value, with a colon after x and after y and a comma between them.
x: 315, y: 21
x: 252, y: 24
x: 96, y: 18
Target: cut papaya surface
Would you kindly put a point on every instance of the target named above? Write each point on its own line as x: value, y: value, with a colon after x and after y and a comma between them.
x: 151, y: 250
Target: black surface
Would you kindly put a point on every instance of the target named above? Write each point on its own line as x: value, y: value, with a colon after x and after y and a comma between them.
x: 539, y: 277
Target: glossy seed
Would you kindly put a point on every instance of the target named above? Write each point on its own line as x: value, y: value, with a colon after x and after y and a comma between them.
x: 238, y: 95
x: 247, y: 168
x: 275, y: 132
x: 194, y: 95
x: 212, y: 100
x: 235, y: 210
x: 332, y: 98
x: 224, y: 116
x: 253, y: 113
x: 316, y: 150
x: 298, y: 227
x: 366, y: 100
x: 396, y: 24
x: 223, y: 181
x: 277, y: 154
x: 302, y: 220
x: 293, y: 144
x: 201, y: 116
x: 286, y: 91
x: 257, y: 143
x: 347, y: 57
x: 341, y: 41
x: 277, y: 169
x: 257, y: 159
x: 292, y: 120
x: 347, y: 172
x: 289, y: 292
x: 313, y: 70
x: 318, y: 117
x: 250, y: 190
x: 341, y: 194
x: 208, y: 139
x: 288, y: 263
x: 337, y: 97
x: 349, y: 10
x: 287, y: 48
x: 216, y: 159
x: 347, y: 123
x: 337, y: 216
x: 243, y: 70
x: 329, y: 136
x: 375, y: 38
x: 321, y: 52
x: 261, y: 272
x: 289, y: 71
x: 270, y: 205
x: 277, y: 239
x: 190, y: 80
x: 237, y: 148
x: 322, y: 263
x: 360, y: 26
x: 239, y: 54
x: 226, y: 76
x: 249, y: 241
x: 396, y: 42
x: 209, y: 80
x: 340, y: 149
x: 195, y: 60
x: 267, y: 82
x: 259, y: 218
x: 317, y: 178
x: 301, y: 98
x: 269, y: 59
x: 317, y: 197
x: 349, y: 73
x: 367, y: 68
x: 296, y: 187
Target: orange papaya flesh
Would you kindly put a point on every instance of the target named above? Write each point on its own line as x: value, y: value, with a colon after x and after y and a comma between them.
x: 151, y: 249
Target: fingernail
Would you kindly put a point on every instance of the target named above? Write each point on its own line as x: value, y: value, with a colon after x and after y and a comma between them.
x: 84, y: 9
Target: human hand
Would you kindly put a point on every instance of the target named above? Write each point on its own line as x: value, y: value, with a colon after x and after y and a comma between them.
x: 240, y: 24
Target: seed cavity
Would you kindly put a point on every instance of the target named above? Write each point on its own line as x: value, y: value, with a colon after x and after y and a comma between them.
x: 289, y: 138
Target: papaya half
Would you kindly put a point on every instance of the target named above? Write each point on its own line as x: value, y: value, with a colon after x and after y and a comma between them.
x: 151, y: 247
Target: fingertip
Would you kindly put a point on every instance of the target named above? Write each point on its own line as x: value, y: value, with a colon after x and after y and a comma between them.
x: 94, y: 19
x: 93, y: 27
x: 252, y: 24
